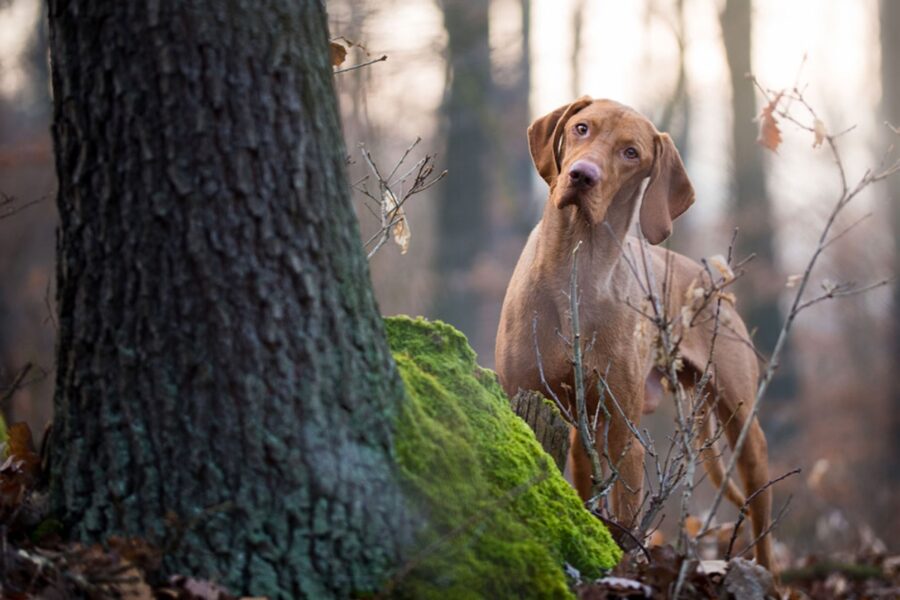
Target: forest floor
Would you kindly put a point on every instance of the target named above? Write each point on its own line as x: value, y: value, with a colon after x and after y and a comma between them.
x: 36, y: 562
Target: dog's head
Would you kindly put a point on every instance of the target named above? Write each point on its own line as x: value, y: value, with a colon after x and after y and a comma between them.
x: 592, y: 152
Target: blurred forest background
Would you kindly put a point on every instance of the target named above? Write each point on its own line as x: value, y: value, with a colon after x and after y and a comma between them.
x: 468, y: 76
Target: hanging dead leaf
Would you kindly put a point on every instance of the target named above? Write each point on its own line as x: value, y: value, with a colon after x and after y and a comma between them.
x: 687, y: 316
x: 693, y: 292
x: 769, y: 133
x: 401, y: 234
x: 400, y: 228
x: 721, y: 265
x: 727, y: 297
x: 338, y: 54
x: 819, y: 132
x: 817, y: 474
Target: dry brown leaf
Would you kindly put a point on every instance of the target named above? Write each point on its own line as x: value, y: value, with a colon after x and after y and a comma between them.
x: 687, y: 316
x: 721, y: 265
x: 338, y: 54
x: 769, y: 133
x: 131, y: 584
x: 692, y: 526
x: 136, y: 551
x: 819, y: 132
x: 664, y: 384
x: 199, y: 589
x: 728, y: 297
x: 692, y: 292
x: 400, y: 228
x: 817, y: 474
x: 401, y: 234
x: 20, y: 446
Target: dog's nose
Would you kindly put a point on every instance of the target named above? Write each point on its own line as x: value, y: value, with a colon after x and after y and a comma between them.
x: 584, y: 174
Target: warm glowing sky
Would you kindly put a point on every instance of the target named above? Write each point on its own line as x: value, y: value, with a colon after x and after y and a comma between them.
x: 628, y: 60
x: 625, y: 59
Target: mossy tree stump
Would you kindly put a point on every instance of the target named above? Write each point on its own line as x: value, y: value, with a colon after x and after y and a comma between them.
x: 549, y: 427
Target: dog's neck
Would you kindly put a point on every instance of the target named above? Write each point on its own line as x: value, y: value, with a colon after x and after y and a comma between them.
x: 602, y: 244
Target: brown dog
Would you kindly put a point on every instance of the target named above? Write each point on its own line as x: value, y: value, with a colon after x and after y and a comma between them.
x: 596, y: 155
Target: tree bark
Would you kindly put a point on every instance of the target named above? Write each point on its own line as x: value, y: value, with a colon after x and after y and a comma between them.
x: 224, y: 388
x: 759, y: 290
x: 463, y: 205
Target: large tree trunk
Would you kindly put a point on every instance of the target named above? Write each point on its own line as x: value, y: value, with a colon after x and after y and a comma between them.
x: 890, y: 107
x: 759, y: 290
x: 463, y: 208
x: 224, y: 387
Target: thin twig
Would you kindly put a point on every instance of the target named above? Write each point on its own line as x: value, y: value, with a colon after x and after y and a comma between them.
x: 361, y: 65
x: 742, y: 513
x: 847, y: 194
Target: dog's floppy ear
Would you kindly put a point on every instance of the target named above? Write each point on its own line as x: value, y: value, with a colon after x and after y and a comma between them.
x: 668, y: 194
x: 544, y: 137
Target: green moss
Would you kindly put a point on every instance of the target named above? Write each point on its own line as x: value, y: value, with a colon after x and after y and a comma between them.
x: 500, y: 519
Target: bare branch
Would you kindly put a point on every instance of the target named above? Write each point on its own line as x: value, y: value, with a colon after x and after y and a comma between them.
x: 742, y: 514
x: 361, y: 65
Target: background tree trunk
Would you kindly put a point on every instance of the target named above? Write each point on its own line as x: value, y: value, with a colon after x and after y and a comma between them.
x: 518, y: 108
x: 224, y: 385
x: 575, y: 58
x: 890, y: 107
x: 464, y: 197
x: 759, y: 290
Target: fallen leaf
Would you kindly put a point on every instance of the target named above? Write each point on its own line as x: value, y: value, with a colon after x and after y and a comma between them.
x: 136, y: 551
x: 712, y: 567
x: 130, y: 583
x: 625, y: 586
x: 819, y: 132
x: 769, y: 133
x: 338, y: 54
x: 199, y: 589
x: 20, y: 447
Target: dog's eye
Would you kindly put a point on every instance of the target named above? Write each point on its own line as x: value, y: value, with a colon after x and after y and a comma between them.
x: 581, y: 129
x: 631, y: 153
